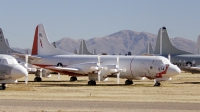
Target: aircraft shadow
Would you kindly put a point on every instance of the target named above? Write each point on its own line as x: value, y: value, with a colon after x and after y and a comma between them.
x: 56, y: 81
x: 187, y: 83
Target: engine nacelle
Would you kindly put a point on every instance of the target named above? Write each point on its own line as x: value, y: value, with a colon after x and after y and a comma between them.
x: 87, y: 67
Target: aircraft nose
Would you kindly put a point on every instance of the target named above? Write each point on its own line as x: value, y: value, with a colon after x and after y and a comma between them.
x: 19, y: 71
x: 173, y: 70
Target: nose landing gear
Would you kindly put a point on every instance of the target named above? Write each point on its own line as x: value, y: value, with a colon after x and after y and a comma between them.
x: 157, y: 84
x: 128, y: 82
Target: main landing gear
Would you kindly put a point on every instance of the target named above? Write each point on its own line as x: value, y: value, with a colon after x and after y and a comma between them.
x: 91, y: 82
x: 157, y: 84
x: 128, y: 82
x: 3, y: 86
x: 38, y: 79
x: 73, y: 78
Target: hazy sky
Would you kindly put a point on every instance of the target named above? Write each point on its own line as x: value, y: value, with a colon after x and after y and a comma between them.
x: 84, y: 19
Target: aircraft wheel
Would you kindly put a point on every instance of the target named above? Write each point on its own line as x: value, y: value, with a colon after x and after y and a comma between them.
x: 157, y: 84
x: 3, y: 87
x: 37, y: 79
x: 91, y: 82
x: 73, y: 78
x: 128, y: 82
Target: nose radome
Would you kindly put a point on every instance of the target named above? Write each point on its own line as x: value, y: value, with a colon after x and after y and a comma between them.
x: 18, y: 71
x: 173, y: 70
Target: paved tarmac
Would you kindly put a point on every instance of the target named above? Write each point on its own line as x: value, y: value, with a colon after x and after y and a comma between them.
x: 97, y: 106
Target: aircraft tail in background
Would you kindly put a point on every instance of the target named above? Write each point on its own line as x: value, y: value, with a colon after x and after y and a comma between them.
x: 164, y: 46
x: 83, y: 49
x: 149, y: 49
x: 198, y: 45
x: 4, y: 45
x: 41, y: 44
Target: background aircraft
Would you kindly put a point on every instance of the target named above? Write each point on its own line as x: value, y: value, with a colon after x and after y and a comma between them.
x: 99, y: 67
x: 186, y: 61
x: 10, y: 70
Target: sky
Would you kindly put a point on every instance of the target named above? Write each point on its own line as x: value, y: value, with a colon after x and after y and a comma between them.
x: 85, y: 19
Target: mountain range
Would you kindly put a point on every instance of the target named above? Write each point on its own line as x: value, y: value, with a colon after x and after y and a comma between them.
x: 123, y: 42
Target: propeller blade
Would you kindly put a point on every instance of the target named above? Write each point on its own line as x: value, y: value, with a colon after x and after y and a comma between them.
x: 118, y: 74
x: 99, y: 73
x: 26, y: 61
x: 118, y: 61
x: 58, y: 75
x: 26, y: 79
x: 98, y: 63
x: 169, y: 57
x: 40, y: 72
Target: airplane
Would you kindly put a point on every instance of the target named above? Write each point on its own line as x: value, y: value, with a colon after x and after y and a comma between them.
x: 6, y: 49
x: 10, y: 70
x: 98, y: 67
x: 186, y: 61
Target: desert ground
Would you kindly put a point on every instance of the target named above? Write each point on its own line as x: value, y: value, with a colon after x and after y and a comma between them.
x: 182, y: 94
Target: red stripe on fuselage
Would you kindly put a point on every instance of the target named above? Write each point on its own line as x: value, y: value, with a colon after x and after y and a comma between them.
x: 159, y: 75
x: 62, y: 72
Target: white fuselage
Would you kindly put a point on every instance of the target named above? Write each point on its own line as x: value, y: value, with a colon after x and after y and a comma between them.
x: 136, y: 66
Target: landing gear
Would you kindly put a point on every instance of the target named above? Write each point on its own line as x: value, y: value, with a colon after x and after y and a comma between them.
x: 91, y: 82
x: 38, y: 79
x: 73, y: 78
x: 3, y: 86
x: 128, y: 82
x: 157, y: 84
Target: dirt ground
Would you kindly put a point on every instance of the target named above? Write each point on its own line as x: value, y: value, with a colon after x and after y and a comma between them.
x: 183, y: 88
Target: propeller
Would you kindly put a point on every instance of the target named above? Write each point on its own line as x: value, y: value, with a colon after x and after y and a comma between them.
x: 117, y: 70
x: 99, y: 68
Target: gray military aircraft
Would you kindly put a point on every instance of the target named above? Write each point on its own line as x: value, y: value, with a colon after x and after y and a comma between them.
x: 10, y: 70
x: 184, y: 60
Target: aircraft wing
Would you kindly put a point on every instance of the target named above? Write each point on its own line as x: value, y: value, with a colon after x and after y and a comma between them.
x: 29, y: 56
x: 62, y: 68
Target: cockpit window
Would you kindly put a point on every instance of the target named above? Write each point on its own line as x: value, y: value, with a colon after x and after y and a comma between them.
x: 165, y: 61
x: 12, y: 61
x: 3, y: 61
x: 8, y: 61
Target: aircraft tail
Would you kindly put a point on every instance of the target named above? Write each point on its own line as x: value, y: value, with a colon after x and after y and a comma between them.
x: 4, y: 45
x: 164, y: 46
x: 83, y: 49
x: 149, y: 49
x: 198, y: 45
x: 94, y: 52
x: 41, y: 44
